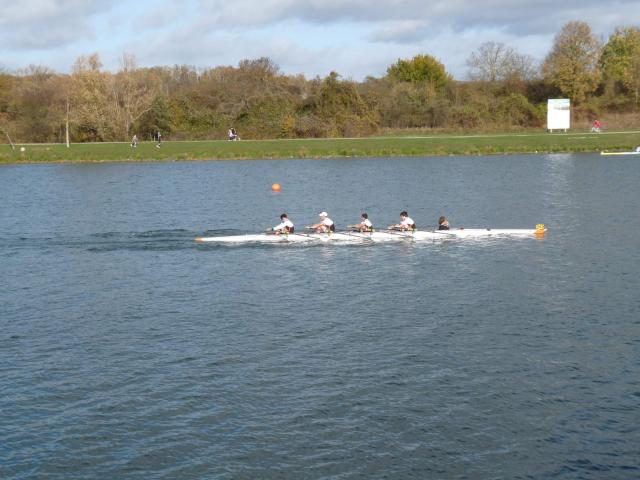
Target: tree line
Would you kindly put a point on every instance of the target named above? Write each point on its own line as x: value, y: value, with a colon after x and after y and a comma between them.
x: 505, y: 90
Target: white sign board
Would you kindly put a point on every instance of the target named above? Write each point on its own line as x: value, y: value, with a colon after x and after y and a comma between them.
x: 558, y: 114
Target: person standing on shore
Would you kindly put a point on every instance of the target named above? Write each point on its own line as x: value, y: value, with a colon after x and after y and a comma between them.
x: 134, y: 141
x: 158, y: 139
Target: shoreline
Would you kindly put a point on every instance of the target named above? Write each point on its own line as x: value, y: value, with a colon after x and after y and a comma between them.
x: 323, y: 148
x: 284, y: 159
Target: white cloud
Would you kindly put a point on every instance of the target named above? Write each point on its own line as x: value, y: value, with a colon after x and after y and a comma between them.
x: 524, y: 16
x: 354, y: 37
x: 401, y: 31
x: 47, y: 24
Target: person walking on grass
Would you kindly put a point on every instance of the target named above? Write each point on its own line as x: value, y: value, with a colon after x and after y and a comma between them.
x: 134, y: 141
x: 158, y: 139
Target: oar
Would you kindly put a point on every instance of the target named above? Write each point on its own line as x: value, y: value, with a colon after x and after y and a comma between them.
x: 400, y: 233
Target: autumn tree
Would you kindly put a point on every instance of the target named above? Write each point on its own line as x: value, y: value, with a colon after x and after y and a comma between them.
x: 92, y: 101
x: 156, y: 118
x: 572, y: 64
x: 336, y: 108
x: 620, y: 60
x: 6, y: 83
x: 38, y: 104
x: 420, y: 69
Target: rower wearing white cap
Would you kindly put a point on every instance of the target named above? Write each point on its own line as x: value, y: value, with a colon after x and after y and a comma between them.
x: 406, y: 223
x: 325, y: 225
x: 285, y: 226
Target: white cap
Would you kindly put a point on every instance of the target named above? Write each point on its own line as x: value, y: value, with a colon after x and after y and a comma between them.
x: 323, y: 214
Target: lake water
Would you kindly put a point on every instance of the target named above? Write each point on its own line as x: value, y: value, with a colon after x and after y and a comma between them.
x: 129, y: 351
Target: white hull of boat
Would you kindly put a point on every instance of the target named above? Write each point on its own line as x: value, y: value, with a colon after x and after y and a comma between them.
x: 620, y: 153
x: 259, y: 237
x: 378, y: 236
x: 337, y: 237
x: 487, y: 232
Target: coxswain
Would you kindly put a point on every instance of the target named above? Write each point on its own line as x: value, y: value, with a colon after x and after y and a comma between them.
x: 325, y: 225
x: 285, y: 227
x: 365, y: 224
x: 443, y: 223
x: 406, y: 223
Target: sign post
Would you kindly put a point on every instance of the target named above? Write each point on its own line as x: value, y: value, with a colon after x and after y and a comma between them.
x: 558, y: 114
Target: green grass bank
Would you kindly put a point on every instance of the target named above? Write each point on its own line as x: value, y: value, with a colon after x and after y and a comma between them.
x: 435, y: 145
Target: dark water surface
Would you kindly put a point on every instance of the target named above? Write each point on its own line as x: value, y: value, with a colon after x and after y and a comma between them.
x: 129, y: 351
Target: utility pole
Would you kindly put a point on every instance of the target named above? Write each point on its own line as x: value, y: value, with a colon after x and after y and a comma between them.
x: 67, y: 123
x: 13, y: 147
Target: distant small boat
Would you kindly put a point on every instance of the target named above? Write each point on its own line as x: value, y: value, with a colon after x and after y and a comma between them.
x: 635, y: 152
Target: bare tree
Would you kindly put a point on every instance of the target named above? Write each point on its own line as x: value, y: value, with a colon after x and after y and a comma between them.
x: 133, y: 93
x: 495, y: 61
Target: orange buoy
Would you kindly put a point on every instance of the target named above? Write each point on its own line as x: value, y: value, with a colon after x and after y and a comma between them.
x: 276, y: 187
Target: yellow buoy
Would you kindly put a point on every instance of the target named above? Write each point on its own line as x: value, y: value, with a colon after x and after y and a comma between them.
x: 276, y: 187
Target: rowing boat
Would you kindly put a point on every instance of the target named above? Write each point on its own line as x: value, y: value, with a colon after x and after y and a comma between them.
x: 376, y: 236
x: 635, y: 152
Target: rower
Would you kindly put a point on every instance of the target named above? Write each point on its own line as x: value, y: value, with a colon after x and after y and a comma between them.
x: 406, y: 223
x: 325, y: 225
x: 365, y: 224
x: 285, y: 227
x: 443, y: 223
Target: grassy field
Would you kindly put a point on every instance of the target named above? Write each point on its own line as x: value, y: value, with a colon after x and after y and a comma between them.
x: 436, y: 145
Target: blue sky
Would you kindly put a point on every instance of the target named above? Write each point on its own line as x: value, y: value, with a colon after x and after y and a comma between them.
x: 356, y: 38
